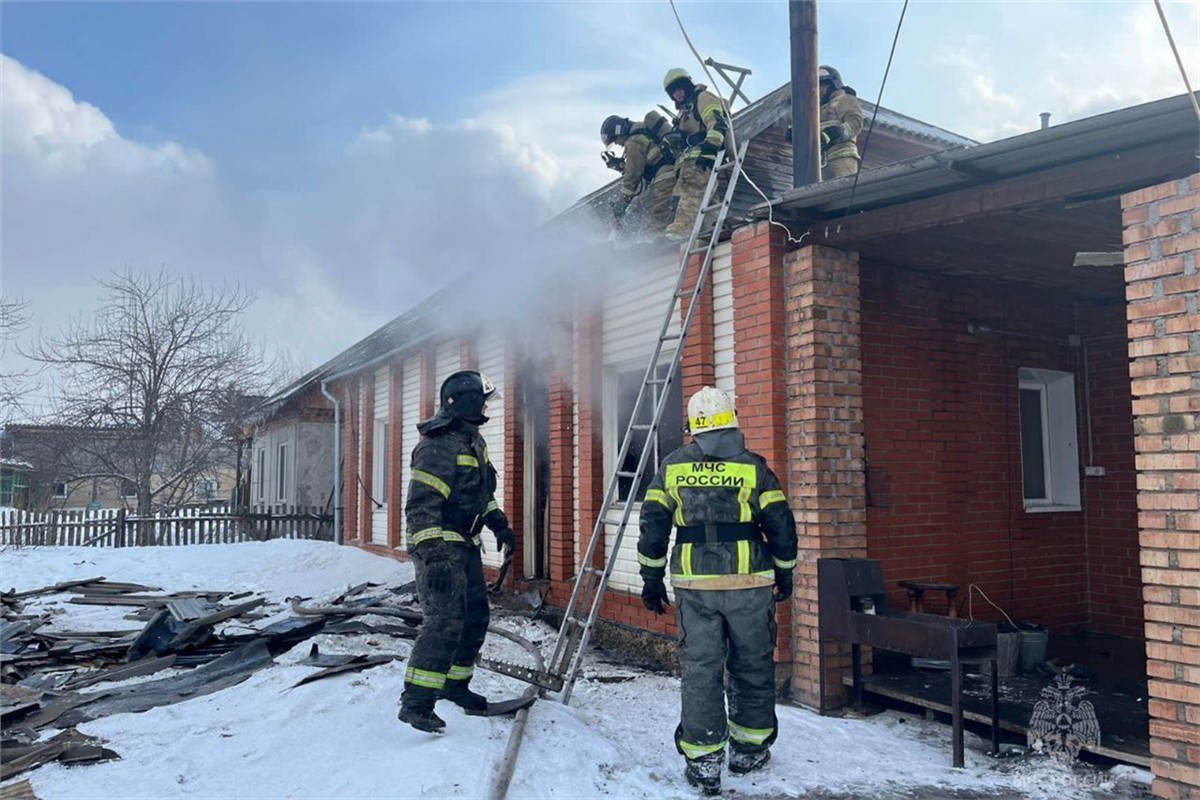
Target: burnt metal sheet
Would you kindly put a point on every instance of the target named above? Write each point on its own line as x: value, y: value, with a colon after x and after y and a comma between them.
x: 228, y: 670
x: 145, y: 666
x: 189, y: 608
x: 354, y: 664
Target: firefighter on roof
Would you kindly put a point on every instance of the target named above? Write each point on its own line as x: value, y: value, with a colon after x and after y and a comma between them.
x: 735, y: 540
x: 841, y: 122
x: 703, y: 125
x: 647, y: 165
x: 450, y: 498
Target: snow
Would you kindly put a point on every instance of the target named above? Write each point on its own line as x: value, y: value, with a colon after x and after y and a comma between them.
x: 339, y: 737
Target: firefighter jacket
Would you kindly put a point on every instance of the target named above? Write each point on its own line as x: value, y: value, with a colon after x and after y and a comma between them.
x: 703, y: 117
x: 644, y: 154
x: 844, y: 111
x: 733, y: 524
x: 452, y: 491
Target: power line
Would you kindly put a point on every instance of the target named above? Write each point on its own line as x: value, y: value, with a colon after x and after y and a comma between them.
x: 1182, y: 71
x: 875, y: 113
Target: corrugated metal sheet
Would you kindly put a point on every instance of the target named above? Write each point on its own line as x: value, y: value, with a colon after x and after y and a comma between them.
x: 491, y: 363
x: 410, y: 413
x: 1172, y: 119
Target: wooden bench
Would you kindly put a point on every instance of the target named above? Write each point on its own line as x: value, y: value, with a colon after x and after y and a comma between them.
x: 853, y: 608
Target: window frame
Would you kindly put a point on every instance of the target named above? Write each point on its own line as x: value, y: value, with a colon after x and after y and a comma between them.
x: 379, y: 470
x: 210, y: 495
x: 57, y: 495
x: 612, y: 416
x: 281, y: 472
x: 260, y: 481
x: 1058, y: 423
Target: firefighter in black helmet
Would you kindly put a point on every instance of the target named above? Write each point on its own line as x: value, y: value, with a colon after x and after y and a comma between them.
x: 647, y: 166
x: 841, y: 122
x: 450, y: 499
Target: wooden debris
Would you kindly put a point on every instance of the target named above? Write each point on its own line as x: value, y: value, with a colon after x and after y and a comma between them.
x: 22, y: 790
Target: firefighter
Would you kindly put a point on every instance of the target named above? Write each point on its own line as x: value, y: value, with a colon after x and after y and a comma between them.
x: 703, y: 125
x: 450, y: 498
x: 646, y: 165
x: 841, y: 122
x: 735, y: 540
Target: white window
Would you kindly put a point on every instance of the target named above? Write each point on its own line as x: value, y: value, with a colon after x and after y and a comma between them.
x: 1049, y: 446
x: 128, y: 488
x: 622, y: 390
x: 204, y: 489
x: 59, y: 491
x: 379, y: 474
x: 281, y: 473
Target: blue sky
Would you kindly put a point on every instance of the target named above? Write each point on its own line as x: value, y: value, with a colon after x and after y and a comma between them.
x: 293, y: 145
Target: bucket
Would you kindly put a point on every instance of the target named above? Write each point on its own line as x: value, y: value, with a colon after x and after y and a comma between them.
x: 1008, y: 647
x: 1033, y: 647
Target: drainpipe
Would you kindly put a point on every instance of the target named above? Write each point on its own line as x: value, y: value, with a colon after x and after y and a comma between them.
x: 337, y: 462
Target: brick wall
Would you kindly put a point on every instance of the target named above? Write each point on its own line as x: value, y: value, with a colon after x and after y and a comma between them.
x: 1162, y: 245
x: 698, y: 366
x: 943, y: 450
x: 513, y: 501
x: 350, y: 419
x: 396, y: 442
x: 562, y: 477
x: 825, y: 447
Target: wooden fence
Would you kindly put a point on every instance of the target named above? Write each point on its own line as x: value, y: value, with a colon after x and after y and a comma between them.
x: 118, y: 528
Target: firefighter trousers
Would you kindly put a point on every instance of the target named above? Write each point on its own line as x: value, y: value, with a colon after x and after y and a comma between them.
x: 719, y: 630
x: 455, y: 625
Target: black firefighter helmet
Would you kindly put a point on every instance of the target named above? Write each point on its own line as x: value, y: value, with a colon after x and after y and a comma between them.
x: 831, y: 76
x: 464, y: 394
x: 614, y: 128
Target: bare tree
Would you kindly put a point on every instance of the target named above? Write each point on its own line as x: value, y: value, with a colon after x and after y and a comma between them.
x: 13, y: 318
x: 154, y: 383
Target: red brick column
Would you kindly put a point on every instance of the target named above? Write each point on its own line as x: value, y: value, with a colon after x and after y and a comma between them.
x: 698, y: 368
x: 562, y: 477
x: 758, y: 341
x: 589, y: 357
x: 395, y: 450
x: 1162, y: 248
x: 366, y: 445
x: 350, y: 461
x: 826, y: 484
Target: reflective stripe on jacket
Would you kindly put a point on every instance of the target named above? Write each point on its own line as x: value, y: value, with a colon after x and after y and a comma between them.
x: 843, y: 109
x: 452, y: 490
x: 735, y: 526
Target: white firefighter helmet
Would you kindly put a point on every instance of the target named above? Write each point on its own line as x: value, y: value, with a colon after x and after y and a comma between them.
x: 711, y: 409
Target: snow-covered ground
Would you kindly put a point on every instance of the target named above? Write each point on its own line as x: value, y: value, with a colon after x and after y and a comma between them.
x: 339, y: 737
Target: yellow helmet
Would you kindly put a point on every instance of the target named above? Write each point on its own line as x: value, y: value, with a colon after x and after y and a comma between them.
x: 676, y: 76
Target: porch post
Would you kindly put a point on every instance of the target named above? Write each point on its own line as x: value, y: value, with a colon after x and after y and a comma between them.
x: 825, y: 441
x: 1162, y: 246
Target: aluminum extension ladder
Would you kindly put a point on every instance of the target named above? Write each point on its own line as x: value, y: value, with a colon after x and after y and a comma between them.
x: 581, y: 612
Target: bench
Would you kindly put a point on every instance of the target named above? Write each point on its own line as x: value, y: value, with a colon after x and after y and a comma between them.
x: 853, y: 609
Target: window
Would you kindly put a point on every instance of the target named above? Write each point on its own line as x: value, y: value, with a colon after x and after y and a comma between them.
x: 281, y: 474
x: 205, y: 489
x: 59, y: 492
x: 1049, y: 449
x: 14, y: 488
x: 260, y: 481
x: 128, y: 488
x: 379, y: 474
x: 623, y: 388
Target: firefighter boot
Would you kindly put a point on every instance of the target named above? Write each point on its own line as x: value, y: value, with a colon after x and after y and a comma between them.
x: 705, y: 773
x: 423, y: 719
x: 458, y: 693
x: 743, y: 761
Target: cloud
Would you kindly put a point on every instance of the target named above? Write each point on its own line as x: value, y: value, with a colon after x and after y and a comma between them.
x: 1070, y: 64
x: 407, y: 205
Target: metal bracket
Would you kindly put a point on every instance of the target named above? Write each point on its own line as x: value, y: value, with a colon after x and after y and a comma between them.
x: 735, y: 85
x: 552, y: 683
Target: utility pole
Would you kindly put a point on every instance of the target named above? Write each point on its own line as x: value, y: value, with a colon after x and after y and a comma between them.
x: 806, y: 105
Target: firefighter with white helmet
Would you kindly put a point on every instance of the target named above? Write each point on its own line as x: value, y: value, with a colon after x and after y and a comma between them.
x: 841, y: 122
x: 733, y: 558
x: 451, y: 496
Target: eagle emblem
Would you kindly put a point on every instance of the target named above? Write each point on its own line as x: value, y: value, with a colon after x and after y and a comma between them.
x: 1063, y: 722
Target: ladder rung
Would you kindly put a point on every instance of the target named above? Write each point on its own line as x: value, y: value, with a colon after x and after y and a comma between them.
x: 731, y: 162
x: 657, y: 381
x: 695, y: 251
x: 616, y: 521
x: 670, y: 337
x: 624, y: 473
x: 637, y: 426
x: 713, y: 207
x: 593, y: 570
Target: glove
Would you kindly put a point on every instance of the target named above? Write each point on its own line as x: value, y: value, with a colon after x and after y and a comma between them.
x: 783, y: 585
x: 654, y: 595
x: 435, y: 555
x: 708, y: 155
x: 506, y: 538
x: 831, y: 134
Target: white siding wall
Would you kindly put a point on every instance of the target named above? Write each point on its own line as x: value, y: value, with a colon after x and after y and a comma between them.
x: 491, y: 363
x: 722, y: 274
x: 410, y: 413
x: 379, y: 514
x: 446, y: 362
x: 633, y: 316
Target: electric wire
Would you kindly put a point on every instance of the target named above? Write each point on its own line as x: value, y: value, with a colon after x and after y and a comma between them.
x: 1182, y: 71
x: 875, y: 113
